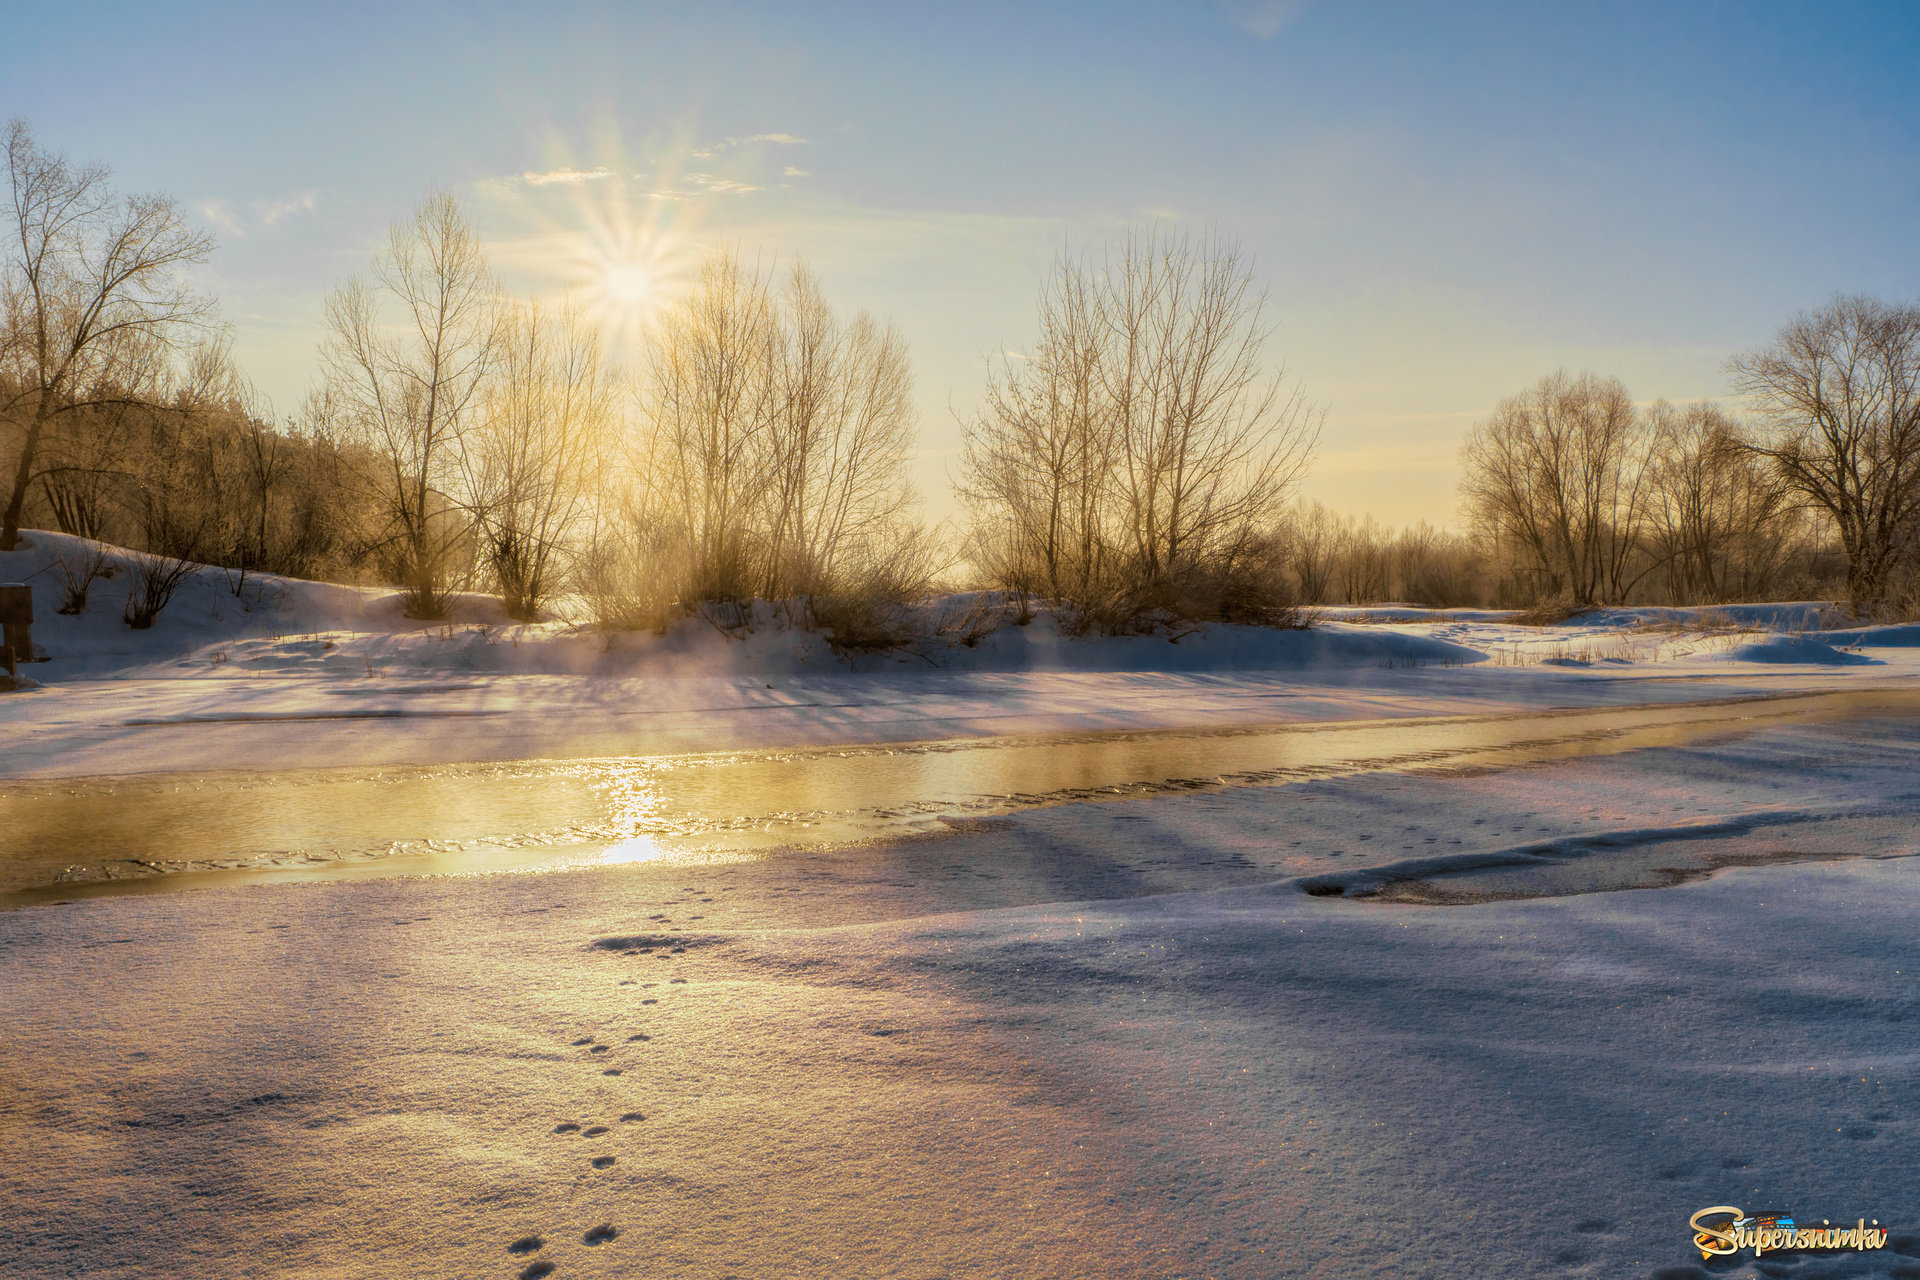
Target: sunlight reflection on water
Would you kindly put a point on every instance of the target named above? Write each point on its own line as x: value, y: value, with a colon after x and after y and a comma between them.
x: 64, y: 836
x: 636, y: 849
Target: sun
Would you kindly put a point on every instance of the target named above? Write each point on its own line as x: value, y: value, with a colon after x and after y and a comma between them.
x: 615, y: 236
x: 628, y: 284
x: 625, y: 274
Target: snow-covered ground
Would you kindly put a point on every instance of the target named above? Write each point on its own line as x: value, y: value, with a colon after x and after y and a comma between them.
x: 1375, y: 1022
x: 1114, y: 1039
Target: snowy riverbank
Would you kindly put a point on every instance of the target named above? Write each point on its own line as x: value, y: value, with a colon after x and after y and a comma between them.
x: 290, y: 674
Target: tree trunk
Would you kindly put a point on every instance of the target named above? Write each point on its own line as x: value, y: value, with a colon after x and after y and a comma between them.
x: 23, y: 475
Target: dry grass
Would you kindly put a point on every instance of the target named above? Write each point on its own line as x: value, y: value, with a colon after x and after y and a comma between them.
x: 1705, y: 622
x: 1549, y: 613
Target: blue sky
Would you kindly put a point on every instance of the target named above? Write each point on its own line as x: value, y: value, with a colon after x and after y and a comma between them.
x: 1445, y: 202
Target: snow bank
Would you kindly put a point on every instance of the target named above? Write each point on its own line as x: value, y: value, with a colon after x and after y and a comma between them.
x: 1896, y: 636
x: 211, y: 609
x: 1039, y: 646
x: 287, y: 674
x: 1797, y: 649
x: 1794, y: 615
x: 264, y: 623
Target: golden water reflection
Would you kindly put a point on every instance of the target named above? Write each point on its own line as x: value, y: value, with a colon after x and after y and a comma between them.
x: 68, y: 837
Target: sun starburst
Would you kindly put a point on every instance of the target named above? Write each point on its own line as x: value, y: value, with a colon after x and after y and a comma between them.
x: 619, y: 235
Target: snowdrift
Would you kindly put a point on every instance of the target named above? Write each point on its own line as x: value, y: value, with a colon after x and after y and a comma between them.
x: 1797, y: 649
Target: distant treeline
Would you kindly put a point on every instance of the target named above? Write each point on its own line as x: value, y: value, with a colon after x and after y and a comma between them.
x: 1139, y: 464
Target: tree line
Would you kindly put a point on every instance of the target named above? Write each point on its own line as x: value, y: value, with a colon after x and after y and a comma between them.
x: 454, y: 437
x: 1577, y: 494
x: 1137, y: 464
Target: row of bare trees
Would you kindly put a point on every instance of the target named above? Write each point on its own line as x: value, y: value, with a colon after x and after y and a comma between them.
x: 1133, y: 465
x: 1335, y: 559
x: 454, y: 435
x: 1576, y: 493
x: 762, y: 450
x: 486, y: 419
x: 125, y: 418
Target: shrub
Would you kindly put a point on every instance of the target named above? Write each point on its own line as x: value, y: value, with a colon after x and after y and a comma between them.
x: 155, y: 579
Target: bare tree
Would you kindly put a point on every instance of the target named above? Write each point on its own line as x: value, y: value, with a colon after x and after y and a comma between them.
x: 180, y: 484
x: 81, y: 465
x: 91, y: 299
x: 1436, y: 568
x: 1838, y: 392
x: 265, y: 460
x: 532, y: 461
x: 708, y: 402
x: 1038, y: 466
x: 837, y: 444
x: 1719, y: 520
x: 1210, y: 445
x: 1313, y: 550
x: 1557, y: 478
x: 775, y: 442
x: 1144, y: 448
x: 1365, y: 564
x: 242, y: 464
x: 410, y: 392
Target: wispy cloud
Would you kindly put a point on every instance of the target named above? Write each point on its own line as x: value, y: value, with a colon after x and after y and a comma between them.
x: 728, y: 144
x: 272, y: 211
x: 259, y: 213
x: 1263, y: 19
x: 221, y: 215
x: 791, y: 172
x: 564, y: 174
x: 691, y: 186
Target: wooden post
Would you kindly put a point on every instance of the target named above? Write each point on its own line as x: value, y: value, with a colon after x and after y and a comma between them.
x: 16, y: 626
